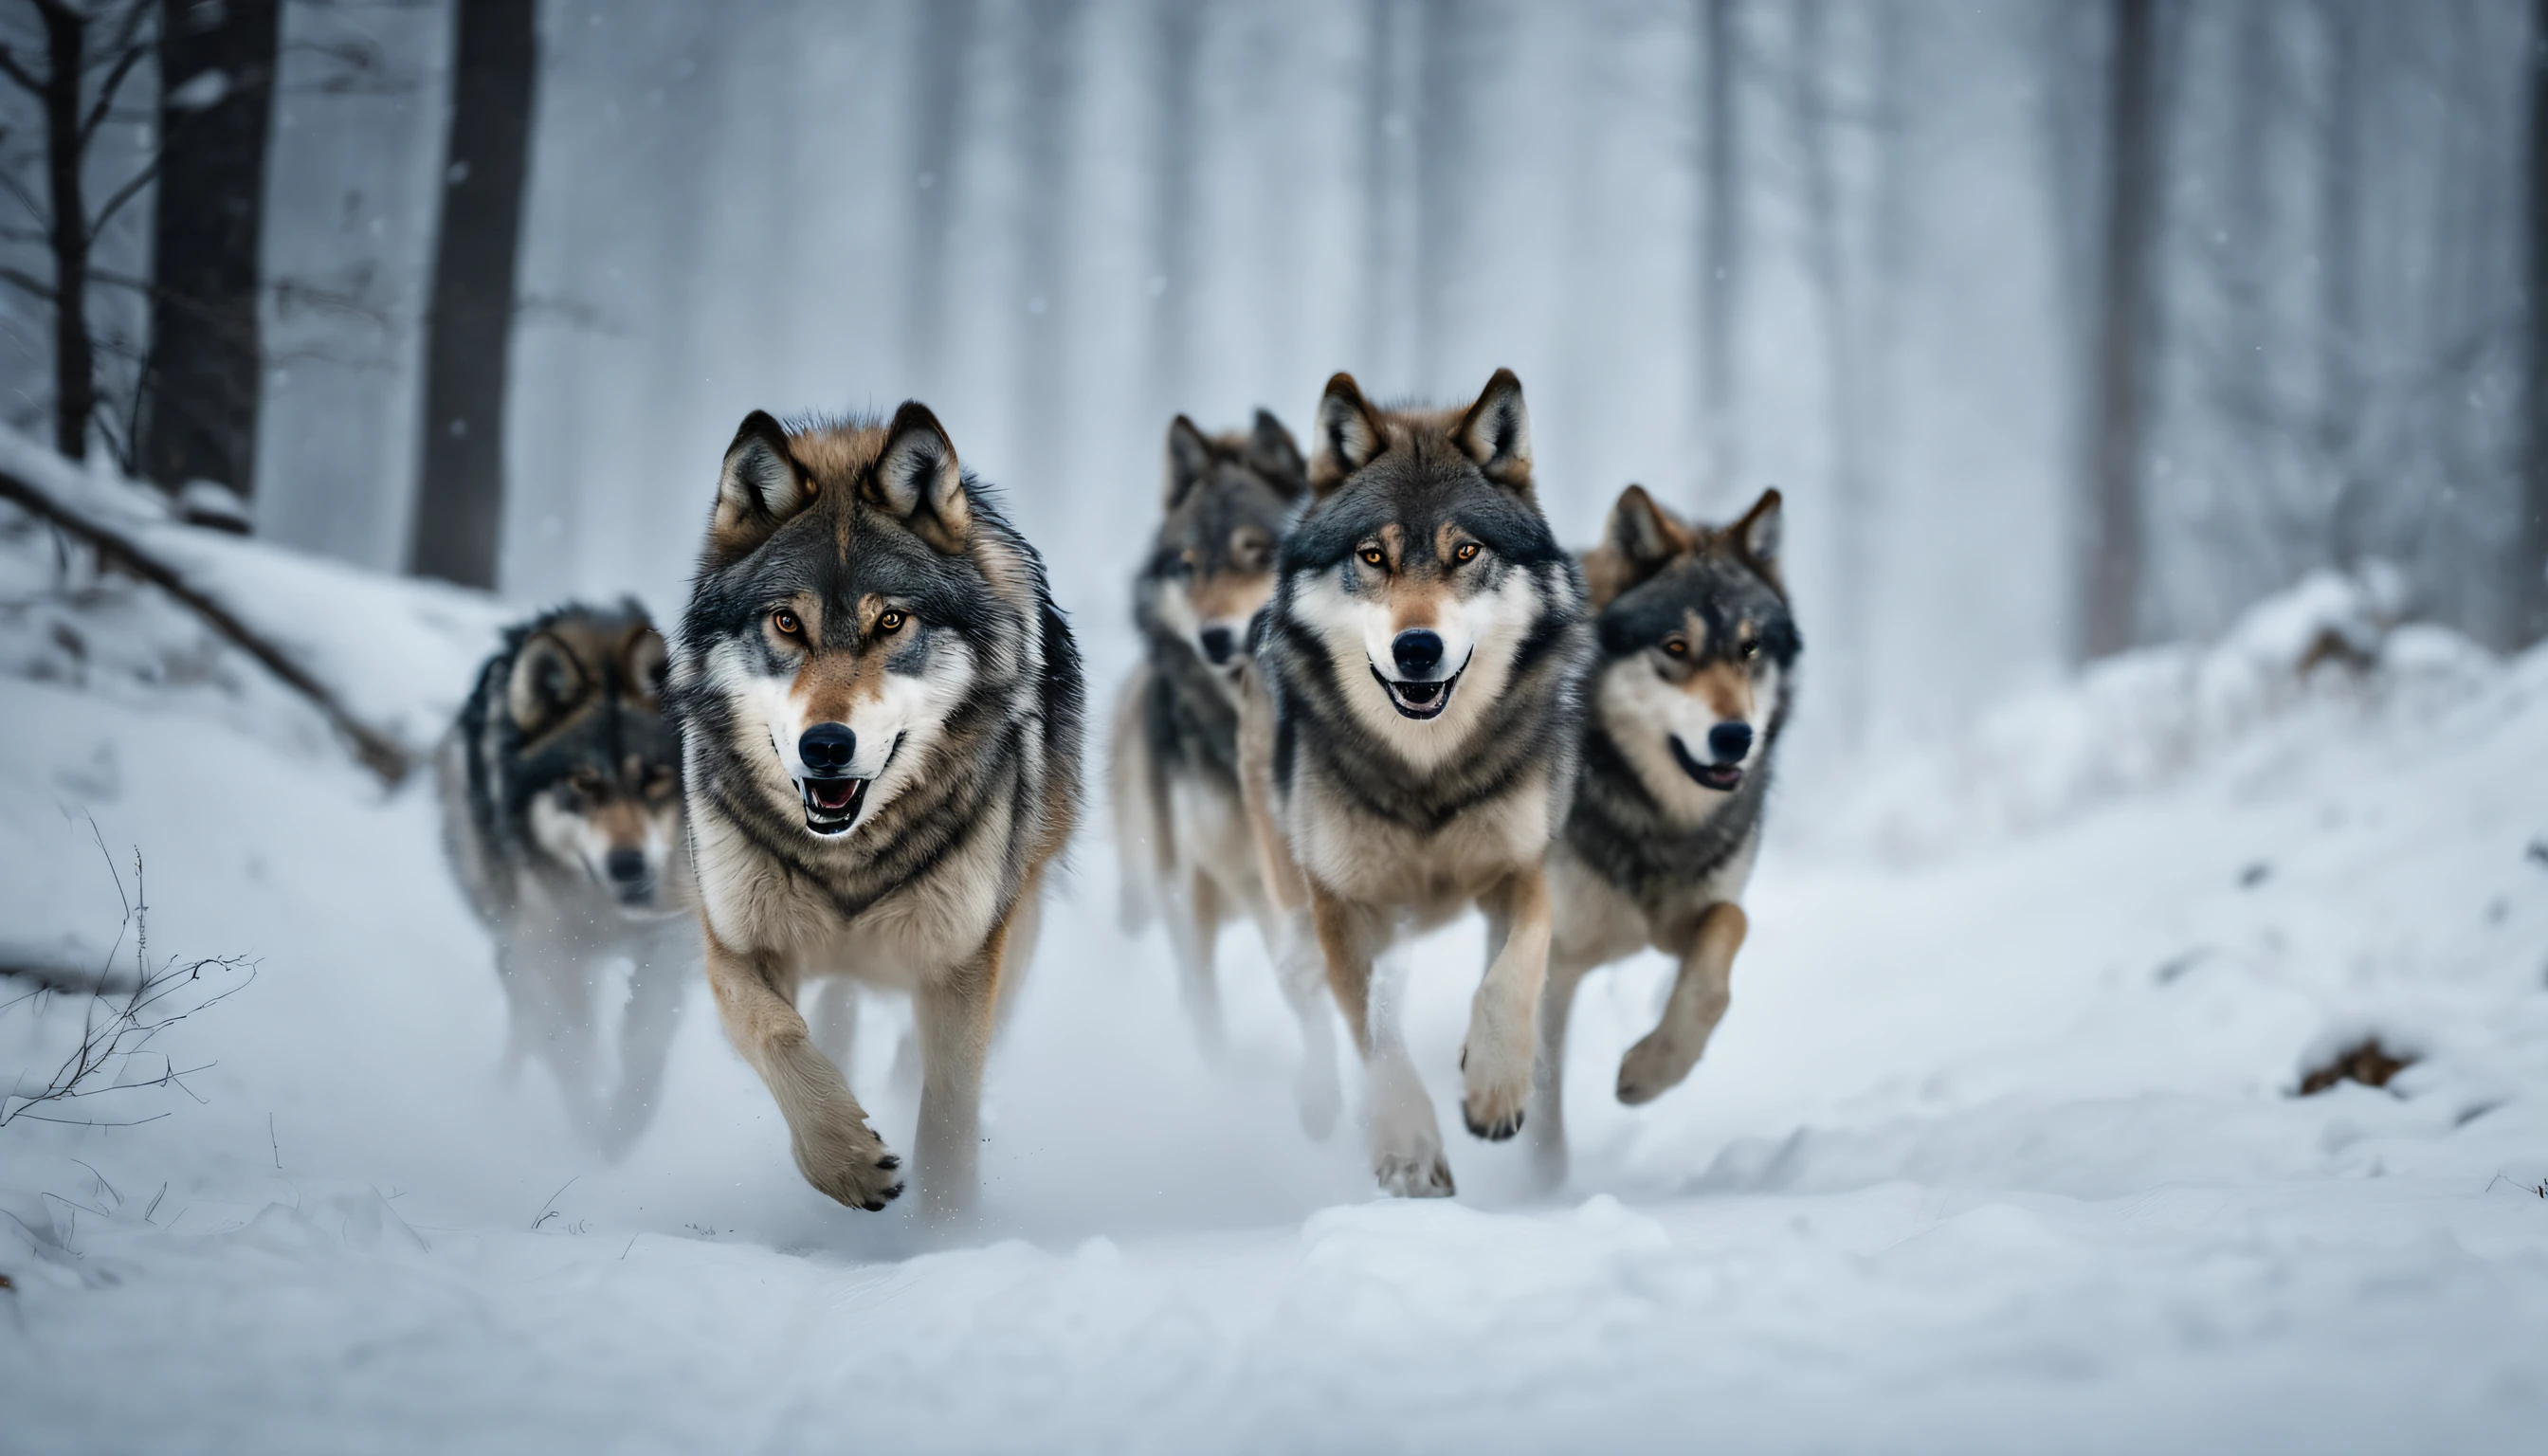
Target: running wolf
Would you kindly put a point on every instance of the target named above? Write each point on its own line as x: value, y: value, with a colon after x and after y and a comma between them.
x: 1697, y: 652
x: 562, y: 810
x: 1180, y: 823
x: 880, y: 708
x: 1415, y: 714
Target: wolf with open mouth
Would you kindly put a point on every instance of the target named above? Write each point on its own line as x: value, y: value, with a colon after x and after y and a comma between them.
x: 1409, y: 733
x: 881, y: 715
x: 1697, y: 661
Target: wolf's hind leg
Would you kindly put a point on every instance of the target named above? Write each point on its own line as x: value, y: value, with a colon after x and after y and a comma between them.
x: 1398, y: 1127
x: 827, y: 1129
x: 953, y: 1016
x: 1546, y: 1132
x: 1699, y: 996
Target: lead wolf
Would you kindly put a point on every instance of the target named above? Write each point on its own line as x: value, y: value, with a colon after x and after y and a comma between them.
x: 562, y: 811
x: 1180, y: 820
x: 1697, y: 649
x: 1416, y: 726
x: 880, y: 719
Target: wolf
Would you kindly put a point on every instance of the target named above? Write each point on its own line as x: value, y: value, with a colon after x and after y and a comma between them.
x: 1411, y: 722
x: 1180, y: 818
x: 1695, y: 673
x: 879, y: 707
x: 561, y: 794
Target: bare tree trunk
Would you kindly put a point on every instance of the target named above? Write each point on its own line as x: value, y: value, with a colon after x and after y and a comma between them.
x: 1442, y: 61
x: 2339, y: 240
x: 1177, y: 36
x: 1043, y: 142
x: 937, y: 148
x: 200, y: 385
x: 460, y: 502
x: 2533, y: 562
x: 1827, y: 259
x: 2112, y: 575
x: 74, y: 357
x: 1720, y: 260
x: 1387, y: 145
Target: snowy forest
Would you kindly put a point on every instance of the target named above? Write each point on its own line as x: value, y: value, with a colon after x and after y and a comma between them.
x: 2158, y: 394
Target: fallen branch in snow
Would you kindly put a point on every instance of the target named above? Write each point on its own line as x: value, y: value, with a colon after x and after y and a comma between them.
x: 378, y: 751
x: 119, y: 1026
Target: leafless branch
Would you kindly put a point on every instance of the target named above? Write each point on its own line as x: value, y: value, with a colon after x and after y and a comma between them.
x: 114, y: 1051
x: 27, y: 282
x: 131, y: 189
x: 126, y: 53
x: 25, y: 78
x: 378, y: 751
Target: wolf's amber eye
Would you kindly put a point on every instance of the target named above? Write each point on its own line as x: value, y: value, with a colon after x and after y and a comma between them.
x: 1751, y: 650
x: 787, y: 623
x: 890, y: 623
x: 1675, y: 647
x: 1371, y: 556
x: 1466, y: 553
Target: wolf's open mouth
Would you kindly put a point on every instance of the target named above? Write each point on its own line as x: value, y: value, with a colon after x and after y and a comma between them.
x: 1419, y: 701
x: 1723, y: 777
x: 832, y: 804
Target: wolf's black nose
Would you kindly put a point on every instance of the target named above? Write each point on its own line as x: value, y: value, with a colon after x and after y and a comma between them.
x: 1417, y: 651
x: 1729, y: 742
x: 827, y: 748
x: 1217, y: 644
x: 626, y: 866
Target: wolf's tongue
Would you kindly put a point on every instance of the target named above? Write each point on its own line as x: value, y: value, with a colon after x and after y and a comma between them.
x: 831, y: 793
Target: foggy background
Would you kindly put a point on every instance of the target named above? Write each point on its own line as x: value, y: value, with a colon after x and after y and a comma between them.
x: 2063, y: 326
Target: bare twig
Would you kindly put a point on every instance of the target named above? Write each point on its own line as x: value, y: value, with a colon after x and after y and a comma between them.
x: 547, y: 1210
x: 118, y: 1029
x: 378, y: 751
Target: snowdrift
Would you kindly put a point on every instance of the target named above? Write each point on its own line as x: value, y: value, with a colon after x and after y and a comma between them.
x: 1998, y: 1149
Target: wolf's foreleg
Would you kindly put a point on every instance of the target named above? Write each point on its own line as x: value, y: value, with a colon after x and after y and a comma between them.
x: 1398, y: 1127
x: 827, y: 1129
x: 1300, y: 973
x: 1699, y: 996
x: 659, y: 981
x: 1547, y: 1127
x: 1497, y: 1059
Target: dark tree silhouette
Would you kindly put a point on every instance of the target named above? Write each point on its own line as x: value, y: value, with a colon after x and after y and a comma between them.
x: 460, y: 502
x: 2533, y: 560
x: 200, y: 384
x: 2111, y: 578
x: 88, y: 56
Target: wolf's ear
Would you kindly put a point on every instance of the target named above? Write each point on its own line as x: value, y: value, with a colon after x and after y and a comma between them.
x: 1496, y: 433
x: 547, y: 684
x: 917, y: 480
x: 1756, y: 535
x: 1273, y: 454
x: 1640, y: 539
x: 1351, y: 435
x: 758, y: 491
x: 645, y: 662
x: 1189, y: 459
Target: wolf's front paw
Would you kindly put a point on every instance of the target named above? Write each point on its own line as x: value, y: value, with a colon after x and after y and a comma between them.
x: 1499, y: 1085
x: 1420, y: 1173
x: 851, y: 1164
x: 1656, y: 1064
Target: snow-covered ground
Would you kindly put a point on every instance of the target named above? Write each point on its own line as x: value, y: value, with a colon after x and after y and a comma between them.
x: 1997, y: 1150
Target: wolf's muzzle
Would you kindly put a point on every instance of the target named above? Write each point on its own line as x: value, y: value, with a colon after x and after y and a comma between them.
x: 828, y: 748
x: 1727, y: 743
x: 1218, y: 643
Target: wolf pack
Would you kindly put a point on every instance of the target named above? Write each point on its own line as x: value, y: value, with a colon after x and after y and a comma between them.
x: 1374, y: 692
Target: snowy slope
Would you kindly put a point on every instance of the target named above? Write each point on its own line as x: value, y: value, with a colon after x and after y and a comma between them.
x: 1996, y: 1150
